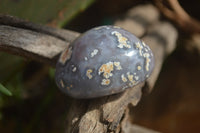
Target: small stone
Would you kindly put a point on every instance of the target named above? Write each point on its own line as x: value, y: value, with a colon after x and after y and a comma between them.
x: 108, y: 60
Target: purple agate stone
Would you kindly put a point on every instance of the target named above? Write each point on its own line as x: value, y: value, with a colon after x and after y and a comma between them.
x: 103, y: 61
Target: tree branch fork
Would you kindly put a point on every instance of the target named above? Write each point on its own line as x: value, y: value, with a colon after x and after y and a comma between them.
x: 44, y: 44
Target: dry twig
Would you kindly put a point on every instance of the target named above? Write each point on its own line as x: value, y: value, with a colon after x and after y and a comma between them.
x: 33, y: 41
x: 178, y: 15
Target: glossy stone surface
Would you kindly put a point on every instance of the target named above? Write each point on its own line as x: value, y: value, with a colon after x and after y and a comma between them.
x: 103, y: 61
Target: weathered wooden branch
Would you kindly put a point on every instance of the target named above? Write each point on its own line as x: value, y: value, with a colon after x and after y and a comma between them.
x: 66, y: 35
x: 33, y: 41
x: 44, y: 44
x: 178, y: 15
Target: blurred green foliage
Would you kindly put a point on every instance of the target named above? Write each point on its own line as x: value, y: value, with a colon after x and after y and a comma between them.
x: 11, y: 69
x: 54, y: 12
x: 4, y: 90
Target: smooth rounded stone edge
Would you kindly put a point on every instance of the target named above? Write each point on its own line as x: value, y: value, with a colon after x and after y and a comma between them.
x: 103, y: 61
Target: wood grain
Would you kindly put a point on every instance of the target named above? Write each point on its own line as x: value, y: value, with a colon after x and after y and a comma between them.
x: 37, y: 42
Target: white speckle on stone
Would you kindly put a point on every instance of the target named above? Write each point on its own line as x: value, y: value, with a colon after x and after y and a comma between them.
x: 118, y: 66
x: 98, y: 28
x: 124, y: 79
x: 140, y: 47
x: 117, y: 27
x: 86, y: 58
x: 136, y: 77
x: 74, y: 69
x: 143, y: 43
x: 62, y: 83
x: 130, y: 78
x: 94, y: 52
x: 147, y: 62
x: 101, y: 27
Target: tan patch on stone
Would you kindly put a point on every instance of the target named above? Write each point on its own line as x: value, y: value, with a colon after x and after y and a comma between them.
x: 88, y: 73
x: 105, y: 82
x: 65, y: 55
x: 106, y: 69
x: 124, y: 79
x: 121, y: 39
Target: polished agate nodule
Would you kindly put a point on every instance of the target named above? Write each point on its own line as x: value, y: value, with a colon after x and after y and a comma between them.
x: 103, y: 61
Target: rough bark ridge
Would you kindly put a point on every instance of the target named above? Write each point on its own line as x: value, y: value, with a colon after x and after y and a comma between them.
x: 33, y: 41
x: 106, y: 114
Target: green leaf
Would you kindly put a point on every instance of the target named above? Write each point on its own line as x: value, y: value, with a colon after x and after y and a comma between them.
x: 53, y: 12
x: 4, y: 90
x: 51, y: 73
